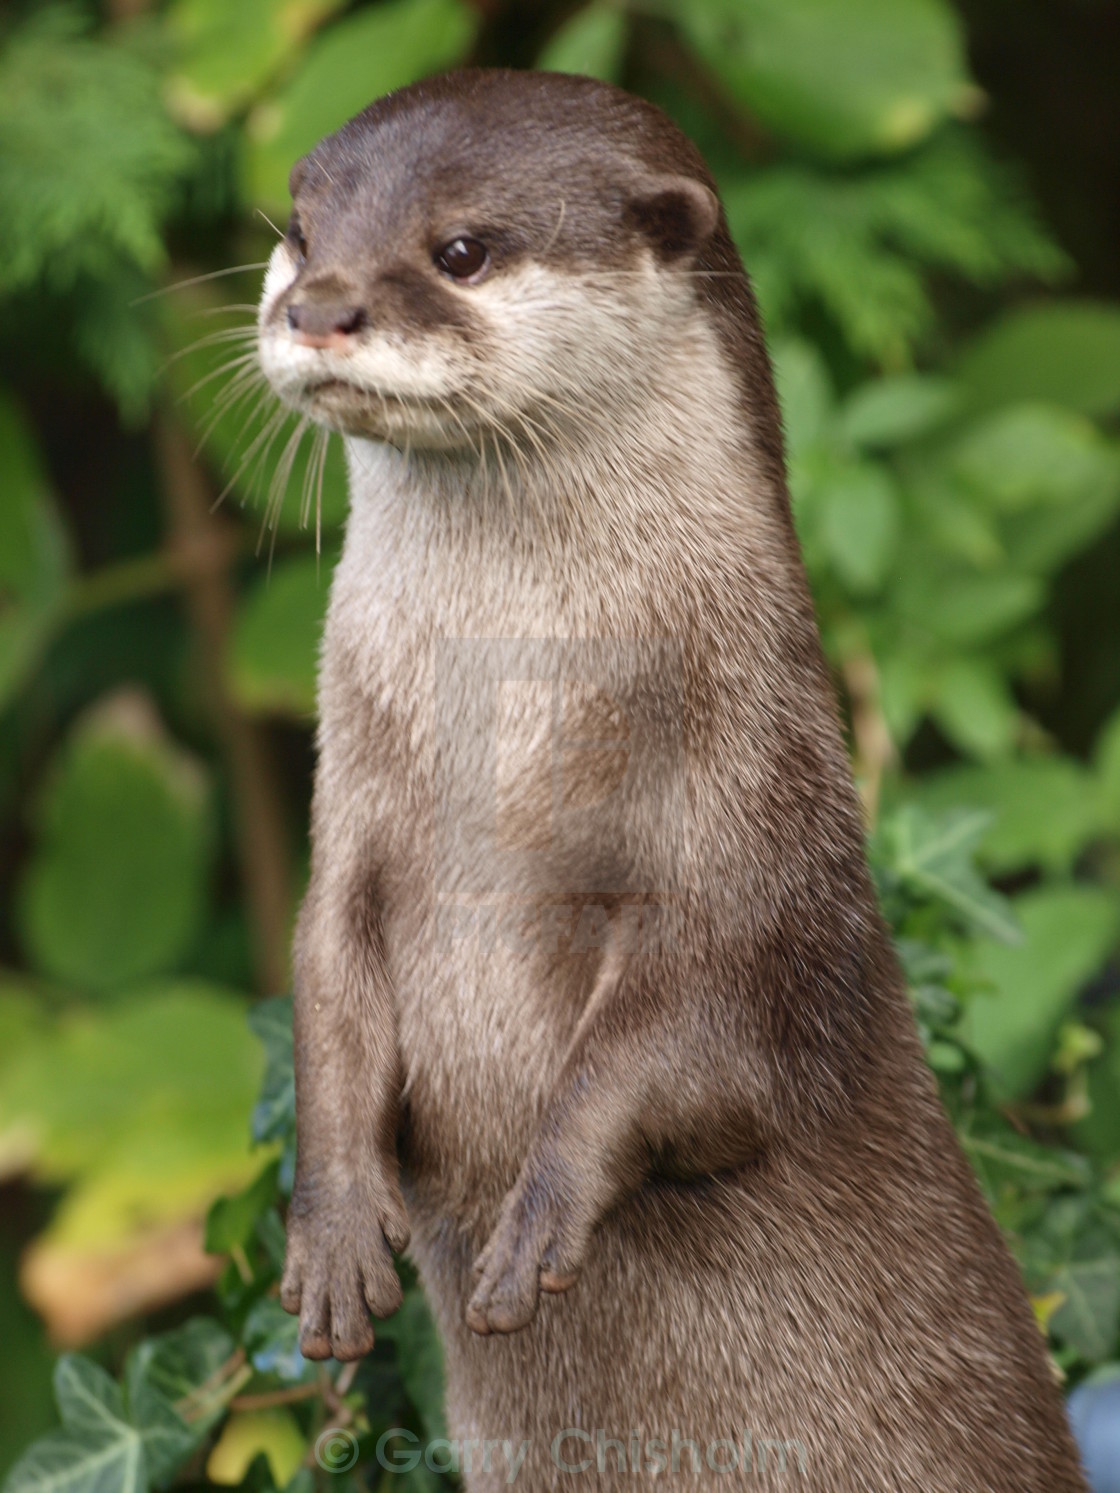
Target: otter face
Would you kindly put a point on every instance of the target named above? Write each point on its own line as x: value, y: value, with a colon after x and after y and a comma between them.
x: 488, y: 253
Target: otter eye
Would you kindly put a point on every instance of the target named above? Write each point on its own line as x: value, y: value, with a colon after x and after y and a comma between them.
x: 462, y: 258
x: 296, y: 238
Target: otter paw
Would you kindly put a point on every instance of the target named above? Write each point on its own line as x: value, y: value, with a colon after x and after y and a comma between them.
x: 537, y: 1245
x: 338, y: 1267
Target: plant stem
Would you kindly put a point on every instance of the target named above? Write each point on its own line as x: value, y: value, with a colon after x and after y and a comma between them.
x: 196, y: 533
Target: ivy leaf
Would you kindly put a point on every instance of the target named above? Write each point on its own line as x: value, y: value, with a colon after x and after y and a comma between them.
x: 1045, y: 810
x: 164, y: 1381
x: 932, y: 857
x: 1088, y: 1317
x: 258, y: 1450
x: 1004, y: 1159
x: 274, y: 1116
x: 271, y: 1337
x: 232, y: 1221
x: 1075, y: 1252
x: 97, y: 1451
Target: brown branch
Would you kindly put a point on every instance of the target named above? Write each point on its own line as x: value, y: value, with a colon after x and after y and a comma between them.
x: 203, y: 546
x: 874, y: 749
x: 273, y: 1397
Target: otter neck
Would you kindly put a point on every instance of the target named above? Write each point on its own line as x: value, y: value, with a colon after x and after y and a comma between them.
x: 637, y: 462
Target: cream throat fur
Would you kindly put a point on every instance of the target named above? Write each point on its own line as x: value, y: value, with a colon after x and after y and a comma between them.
x: 594, y: 1008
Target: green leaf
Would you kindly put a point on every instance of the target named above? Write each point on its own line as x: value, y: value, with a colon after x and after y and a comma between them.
x: 419, y: 1359
x: 933, y: 858
x: 856, y: 244
x: 804, y: 392
x: 1108, y: 765
x: 859, y: 523
x: 97, y: 1451
x: 1034, y: 454
x: 170, y: 1400
x: 1002, y: 1158
x: 274, y: 1116
x: 975, y: 709
x: 955, y: 522
x: 232, y: 1221
x: 1068, y: 932
x: 140, y: 1108
x: 230, y: 51
x: 260, y: 1451
x: 89, y: 159
x: 275, y: 647
x: 34, y: 556
x: 592, y: 42
x: 970, y: 610
x: 1099, y: 1131
x: 1089, y: 1317
x: 114, y: 891
x: 1065, y: 353
x: 1045, y: 810
x: 870, y: 76
x: 890, y: 411
x: 1044, y: 538
x: 271, y: 1337
x: 352, y: 63
x: 283, y: 481
x: 166, y: 1400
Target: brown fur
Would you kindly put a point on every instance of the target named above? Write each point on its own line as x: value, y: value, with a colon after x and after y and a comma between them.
x: 591, y: 948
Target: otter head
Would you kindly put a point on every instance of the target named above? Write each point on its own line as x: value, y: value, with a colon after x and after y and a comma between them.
x: 485, y: 253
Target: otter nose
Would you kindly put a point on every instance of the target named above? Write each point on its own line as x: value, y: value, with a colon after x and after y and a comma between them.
x: 324, y: 323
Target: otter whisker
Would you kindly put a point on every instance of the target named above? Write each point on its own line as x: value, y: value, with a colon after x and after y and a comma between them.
x: 278, y: 486
x: 279, y: 232
x: 235, y: 269
x: 241, y: 362
x: 248, y: 381
x: 254, y: 453
x: 227, y: 306
x: 212, y: 339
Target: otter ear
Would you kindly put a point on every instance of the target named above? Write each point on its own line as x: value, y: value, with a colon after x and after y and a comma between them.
x: 676, y: 213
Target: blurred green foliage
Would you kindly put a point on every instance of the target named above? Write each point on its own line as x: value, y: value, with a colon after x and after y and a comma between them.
x: 951, y: 403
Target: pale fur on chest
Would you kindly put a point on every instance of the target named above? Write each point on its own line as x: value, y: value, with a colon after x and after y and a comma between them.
x: 495, y: 889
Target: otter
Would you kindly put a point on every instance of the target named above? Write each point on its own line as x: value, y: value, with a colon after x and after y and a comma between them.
x: 593, y: 999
